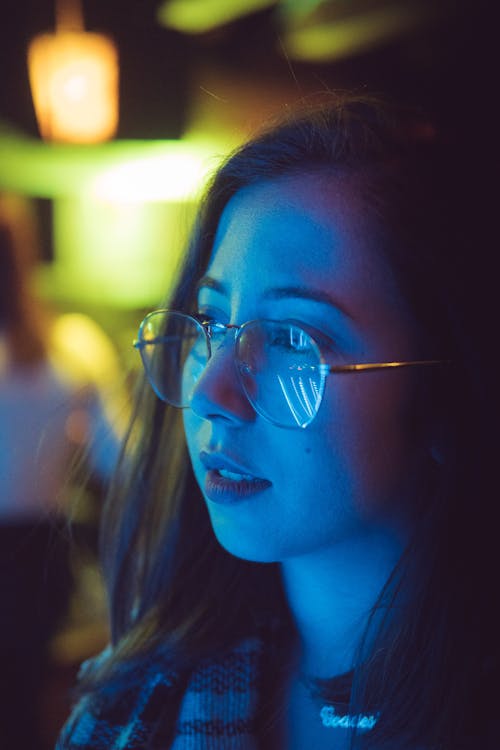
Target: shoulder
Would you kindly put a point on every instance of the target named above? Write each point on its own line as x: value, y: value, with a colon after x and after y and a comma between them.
x: 124, y: 711
x: 220, y: 702
x: 229, y: 669
x: 165, y: 706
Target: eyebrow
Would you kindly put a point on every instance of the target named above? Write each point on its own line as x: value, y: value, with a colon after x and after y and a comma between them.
x: 211, y: 283
x: 282, y: 292
x: 303, y: 292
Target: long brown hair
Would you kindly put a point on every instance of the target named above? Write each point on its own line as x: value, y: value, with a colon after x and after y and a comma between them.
x: 171, y: 586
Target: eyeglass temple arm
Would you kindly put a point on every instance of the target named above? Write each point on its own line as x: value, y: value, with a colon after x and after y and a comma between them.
x: 385, y: 365
x: 140, y: 343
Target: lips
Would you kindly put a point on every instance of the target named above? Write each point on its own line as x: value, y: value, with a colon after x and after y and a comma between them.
x: 228, y: 481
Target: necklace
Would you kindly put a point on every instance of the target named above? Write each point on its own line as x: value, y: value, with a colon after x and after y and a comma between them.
x: 331, y: 716
x: 363, y: 722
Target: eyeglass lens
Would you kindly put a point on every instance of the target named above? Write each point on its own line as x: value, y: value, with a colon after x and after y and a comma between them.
x: 174, y: 353
x: 278, y: 365
x: 277, y: 362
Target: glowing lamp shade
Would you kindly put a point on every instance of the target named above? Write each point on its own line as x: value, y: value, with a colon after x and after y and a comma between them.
x: 74, y: 83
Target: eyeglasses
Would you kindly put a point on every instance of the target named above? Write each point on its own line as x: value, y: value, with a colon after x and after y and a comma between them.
x: 279, y: 364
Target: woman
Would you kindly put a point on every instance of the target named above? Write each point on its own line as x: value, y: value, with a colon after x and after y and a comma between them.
x: 295, y: 561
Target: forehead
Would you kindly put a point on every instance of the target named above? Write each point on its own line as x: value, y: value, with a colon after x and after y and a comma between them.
x: 311, y: 231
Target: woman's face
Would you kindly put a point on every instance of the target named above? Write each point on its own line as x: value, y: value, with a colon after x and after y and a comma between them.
x: 303, y: 248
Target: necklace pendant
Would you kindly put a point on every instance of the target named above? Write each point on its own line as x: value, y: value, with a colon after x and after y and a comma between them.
x: 331, y: 719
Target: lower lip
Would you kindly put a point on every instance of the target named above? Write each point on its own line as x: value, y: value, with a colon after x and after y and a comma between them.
x: 225, y: 491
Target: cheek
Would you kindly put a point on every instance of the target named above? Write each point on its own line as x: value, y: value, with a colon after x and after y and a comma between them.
x: 189, y: 428
x: 370, y: 430
x: 193, y: 427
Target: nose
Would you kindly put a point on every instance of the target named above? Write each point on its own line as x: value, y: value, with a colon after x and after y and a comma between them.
x: 218, y: 394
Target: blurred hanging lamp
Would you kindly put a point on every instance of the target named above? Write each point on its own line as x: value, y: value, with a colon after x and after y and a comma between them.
x: 74, y: 80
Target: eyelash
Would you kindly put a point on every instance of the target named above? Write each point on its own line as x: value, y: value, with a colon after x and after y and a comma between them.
x: 325, y: 342
x: 205, y: 316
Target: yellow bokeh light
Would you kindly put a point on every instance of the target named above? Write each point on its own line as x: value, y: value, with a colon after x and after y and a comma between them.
x: 74, y: 81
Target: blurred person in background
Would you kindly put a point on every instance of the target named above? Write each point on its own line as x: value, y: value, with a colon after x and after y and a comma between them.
x: 48, y: 409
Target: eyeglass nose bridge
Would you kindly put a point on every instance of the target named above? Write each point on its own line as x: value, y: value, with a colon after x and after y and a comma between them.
x: 211, y: 330
x: 210, y: 326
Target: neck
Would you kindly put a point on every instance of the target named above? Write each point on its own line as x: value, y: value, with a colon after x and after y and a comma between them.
x: 331, y: 593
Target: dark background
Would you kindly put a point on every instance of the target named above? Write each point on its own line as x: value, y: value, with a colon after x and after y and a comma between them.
x: 448, y: 65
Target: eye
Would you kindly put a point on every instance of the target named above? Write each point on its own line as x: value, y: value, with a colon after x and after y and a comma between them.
x: 211, y: 314
x: 205, y: 320
x: 213, y: 326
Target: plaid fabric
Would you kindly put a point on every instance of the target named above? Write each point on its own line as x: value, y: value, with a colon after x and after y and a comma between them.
x: 215, y: 711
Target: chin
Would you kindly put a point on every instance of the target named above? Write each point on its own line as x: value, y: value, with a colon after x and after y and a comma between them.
x: 241, y: 546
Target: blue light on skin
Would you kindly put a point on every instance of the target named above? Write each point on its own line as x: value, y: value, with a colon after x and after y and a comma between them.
x: 338, y: 512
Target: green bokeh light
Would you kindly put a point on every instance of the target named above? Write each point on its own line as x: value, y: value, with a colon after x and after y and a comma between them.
x: 198, y: 16
x: 146, y: 170
x: 121, y: 212
x: 345, y: 29
x: 117, y: 254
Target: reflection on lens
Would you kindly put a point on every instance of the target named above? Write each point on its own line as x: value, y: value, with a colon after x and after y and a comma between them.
x: 279, y: 369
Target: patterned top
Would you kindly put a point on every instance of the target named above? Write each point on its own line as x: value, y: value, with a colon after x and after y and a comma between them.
x: 214, y: 709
